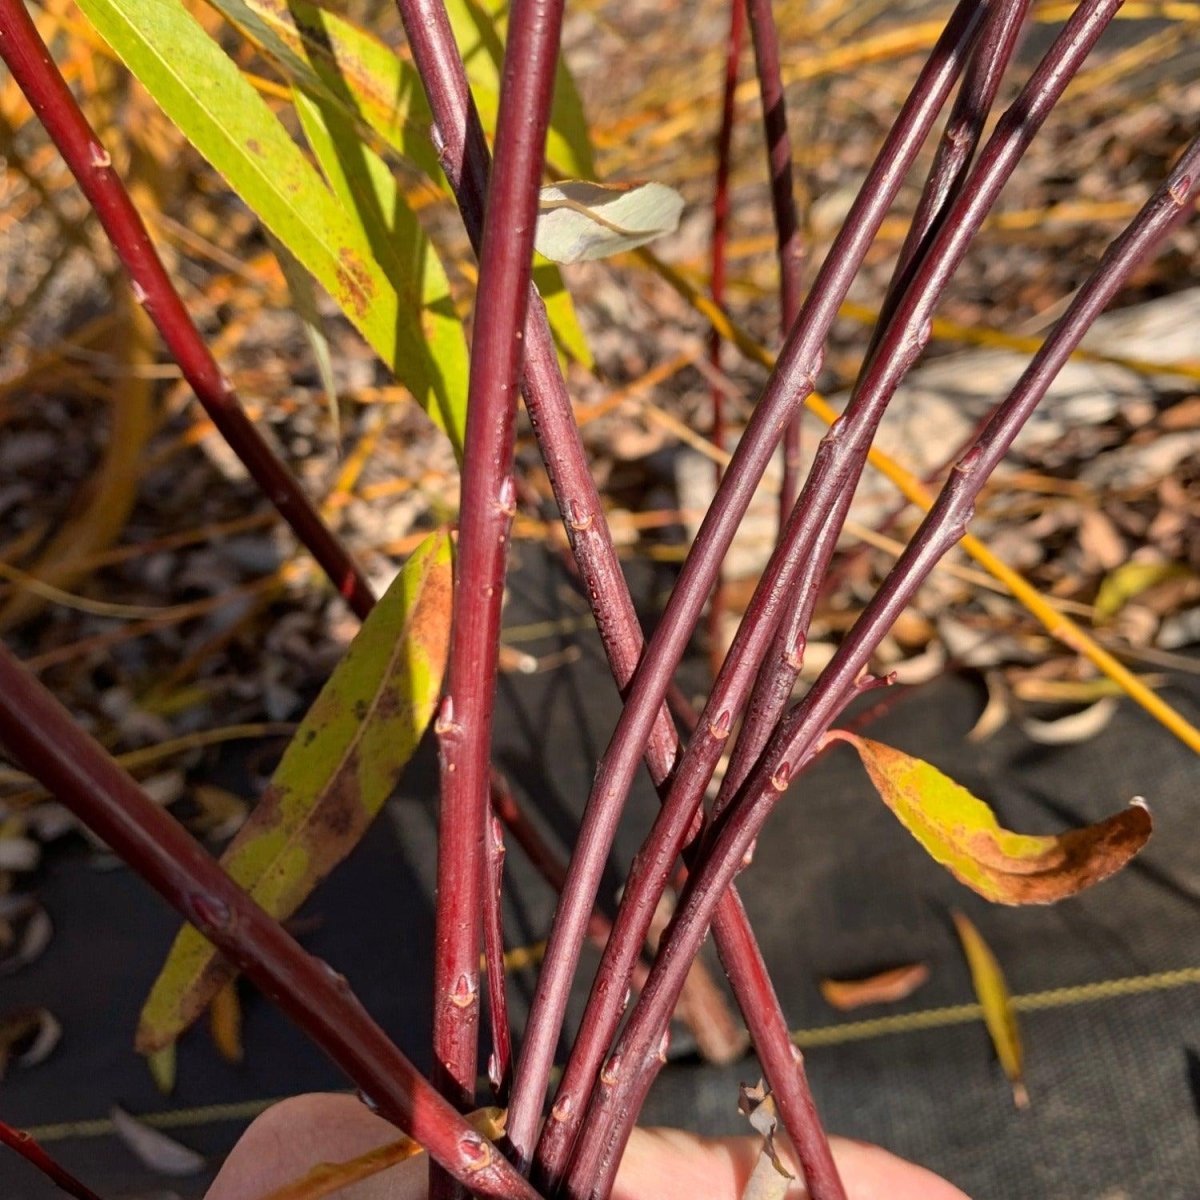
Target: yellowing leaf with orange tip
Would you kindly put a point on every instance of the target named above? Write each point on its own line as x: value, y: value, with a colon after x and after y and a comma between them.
x: 998, y: 1013
x: 962, y: 833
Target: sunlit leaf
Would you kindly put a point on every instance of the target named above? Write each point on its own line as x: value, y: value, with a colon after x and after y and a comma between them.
x: 334, y: 777
x: 962, y: 833
x: 479, y: 29
x: 366, y: 187
x: 998, y: 1014
x: 346, y: 70
x: 160, y: 1153
x: 1129, y: 580
x: 336, y: 62
x: 580, y: 220
x: 199, y: 88
x: 303, y: 296
x: 884, y: 987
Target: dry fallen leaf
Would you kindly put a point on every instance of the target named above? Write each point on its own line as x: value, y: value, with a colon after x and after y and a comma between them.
x: 770, y: 1178
x: 885, y: 987
x: 155, y: 1150
x: 998, y: 1014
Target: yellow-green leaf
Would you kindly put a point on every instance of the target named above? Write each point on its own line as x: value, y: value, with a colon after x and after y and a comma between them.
x: 366, y: 187
x: 341, y: 66
x: 334, y: 777
x: 998, y: 1013
x: 479, y: 28
x: 962, y: 833
x: 199, y: 88
x: 337, y: 62
x: 162, y: 1068
x: 1129, y: 580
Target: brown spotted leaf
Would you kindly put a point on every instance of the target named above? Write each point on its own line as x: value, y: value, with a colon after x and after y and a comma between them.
x: 962, y: 833
x: 334, y: 777
x: 998, y: 1013
x: 884, y: 987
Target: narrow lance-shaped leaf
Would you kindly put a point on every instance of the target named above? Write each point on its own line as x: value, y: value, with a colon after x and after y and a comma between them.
x: 303, y: 296
x: 345, y: 68
x: 334, y: 777
x: 998, y: 1013
x: 364, y: 184
x: 480, y: 27
x: 962, y: 833
x: 202, y: 91
x: 884, y: 987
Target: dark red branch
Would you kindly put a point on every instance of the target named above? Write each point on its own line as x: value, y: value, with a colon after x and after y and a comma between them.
x: 35, y: 72
x: 500, y: 1060
x: 28, y: 1149
x: 44, y: 739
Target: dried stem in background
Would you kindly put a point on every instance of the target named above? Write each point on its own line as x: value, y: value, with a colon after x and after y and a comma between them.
x: 39, y: 78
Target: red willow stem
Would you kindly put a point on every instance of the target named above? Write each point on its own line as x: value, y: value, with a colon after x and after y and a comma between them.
x: 716, y: 275
x: 28, y: 1149
x: 796, y: 741
x: 790, y: 382
x: 465, y: 160
x: 765, y: 35
x: 47, y: 92
x: 44, y: 739
x: 488, y: 501
x: 998, y: 38
x: 499, y: 1067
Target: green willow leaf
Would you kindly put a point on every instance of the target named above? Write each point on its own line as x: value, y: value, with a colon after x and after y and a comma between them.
x: 962, y: 833
x: 479, y: 28
x: 342, y: 67
x: 334, y: 777
x: 336, y: 62
x: 199, y: 88
x: 363, y: 183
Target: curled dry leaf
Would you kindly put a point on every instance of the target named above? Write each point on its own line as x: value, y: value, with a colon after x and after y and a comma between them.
x: 25, y: 932
x: 998, y: 1013
x: 1129, y: 581
x: 28, y: 1036
x: 153, y: 1148
x: 962, y: 833
x: 1075, y: 727
x: 885, y: 987
x: 580, y: 220
x: 770, y: 1178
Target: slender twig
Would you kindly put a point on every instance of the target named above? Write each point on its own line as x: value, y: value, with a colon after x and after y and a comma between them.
x: 28, y: 1149
x: 488, y: 501
x: 998, y: 38
x: 787, y: 223
x: 464, y: 157
x: 796, y: 741
x: 500, y: 1060
x: 716, y: 276
x: 35, y: 72
x: 44, y: 739
x: 791, y: 381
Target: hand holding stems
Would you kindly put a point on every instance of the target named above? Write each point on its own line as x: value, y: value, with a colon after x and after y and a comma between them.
x: 660, y: 1164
